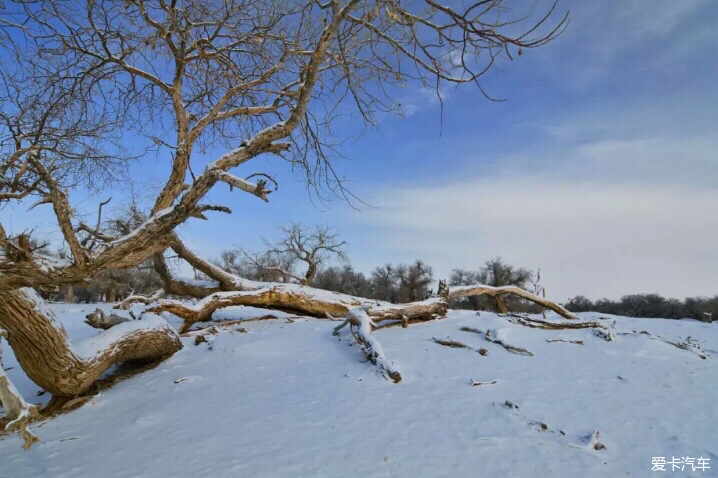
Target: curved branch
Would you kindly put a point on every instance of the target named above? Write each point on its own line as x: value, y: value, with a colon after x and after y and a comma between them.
x: 497, y: 292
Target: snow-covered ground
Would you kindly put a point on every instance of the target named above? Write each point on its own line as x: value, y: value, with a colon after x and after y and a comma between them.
x: 288, y: 399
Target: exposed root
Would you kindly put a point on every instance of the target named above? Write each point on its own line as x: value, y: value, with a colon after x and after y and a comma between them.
x: 545, y: 324
x: 690, y: 344
x: 577, y: 342
x: 459, y: 345
x: 451, y: 343
x: 604, y: 334
x: 491, y: 337
x: 359, y: 319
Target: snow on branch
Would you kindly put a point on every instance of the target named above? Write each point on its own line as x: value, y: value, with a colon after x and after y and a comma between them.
x: 259, y: 188
x: 135, y: 298
x: 358, y: 317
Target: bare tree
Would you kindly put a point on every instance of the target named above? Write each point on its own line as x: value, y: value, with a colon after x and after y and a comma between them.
x: 311, y: 245
x: 384, y: 283
x: 258, y: 77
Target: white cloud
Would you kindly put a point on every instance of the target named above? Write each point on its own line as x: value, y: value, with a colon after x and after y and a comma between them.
x: 595, y: 240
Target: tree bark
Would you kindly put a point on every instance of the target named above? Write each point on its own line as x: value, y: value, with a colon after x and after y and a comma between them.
x: 49, y: 359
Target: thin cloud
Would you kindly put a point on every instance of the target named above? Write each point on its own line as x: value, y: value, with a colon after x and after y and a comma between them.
x: 595, y: 240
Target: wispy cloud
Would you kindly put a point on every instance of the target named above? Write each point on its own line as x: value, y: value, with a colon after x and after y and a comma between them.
x: 632, y: 34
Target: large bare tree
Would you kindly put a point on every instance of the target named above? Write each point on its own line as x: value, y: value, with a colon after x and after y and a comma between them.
x: 255, y: 77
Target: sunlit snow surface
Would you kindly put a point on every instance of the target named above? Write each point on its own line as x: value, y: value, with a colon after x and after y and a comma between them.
x: 290, y: 400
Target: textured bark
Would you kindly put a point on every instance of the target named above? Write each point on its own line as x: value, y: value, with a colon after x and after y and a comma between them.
x: 293, y: 299
x: 48, y: 358
x: 177, y: 287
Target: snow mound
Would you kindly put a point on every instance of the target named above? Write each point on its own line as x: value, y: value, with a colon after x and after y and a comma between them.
x: 289, y: 399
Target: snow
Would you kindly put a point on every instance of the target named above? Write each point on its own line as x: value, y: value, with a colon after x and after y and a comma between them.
x: 289, y: 400
x: 91, y: 346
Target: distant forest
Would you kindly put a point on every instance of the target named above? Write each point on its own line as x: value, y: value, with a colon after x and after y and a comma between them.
x: 396, y: 283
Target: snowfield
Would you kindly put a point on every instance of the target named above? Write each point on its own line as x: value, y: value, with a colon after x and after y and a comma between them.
x: 288, y: 399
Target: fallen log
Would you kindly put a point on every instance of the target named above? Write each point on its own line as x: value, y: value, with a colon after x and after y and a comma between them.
x: 545, y: 324
x: 492, y: 337
x: 300, y: 300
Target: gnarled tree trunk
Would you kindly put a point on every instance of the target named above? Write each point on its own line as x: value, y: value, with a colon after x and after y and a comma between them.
x: 46, y: 355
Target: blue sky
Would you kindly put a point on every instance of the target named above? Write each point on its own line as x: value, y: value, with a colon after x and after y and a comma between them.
x: 601, y: 167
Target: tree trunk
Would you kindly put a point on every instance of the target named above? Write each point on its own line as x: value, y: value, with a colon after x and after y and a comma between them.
x: 111, y: 294
x: 500, y: 305
x: 46, y: 355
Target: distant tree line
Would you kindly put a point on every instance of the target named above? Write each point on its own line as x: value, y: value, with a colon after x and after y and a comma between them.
x: 300, y: 254
x: 650, y: 305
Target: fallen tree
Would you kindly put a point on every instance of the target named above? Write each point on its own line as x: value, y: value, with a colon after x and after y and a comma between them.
x: 320, y: 303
